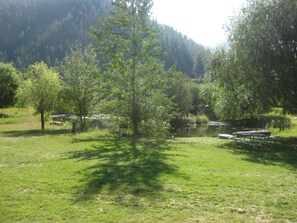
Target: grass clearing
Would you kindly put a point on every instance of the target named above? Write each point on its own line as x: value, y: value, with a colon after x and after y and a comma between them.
x: 55, y: 176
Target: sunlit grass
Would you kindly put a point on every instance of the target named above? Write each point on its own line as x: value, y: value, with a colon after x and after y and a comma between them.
x: 17, y: 112
x: 10, y: 120
x: 56, y: 176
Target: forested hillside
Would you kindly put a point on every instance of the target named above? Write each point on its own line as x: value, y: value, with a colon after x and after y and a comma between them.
x: 188, y: 56
x: 35, y: 30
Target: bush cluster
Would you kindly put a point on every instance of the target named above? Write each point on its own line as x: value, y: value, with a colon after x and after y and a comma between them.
x: 277, y: 121
x: 201, y: 119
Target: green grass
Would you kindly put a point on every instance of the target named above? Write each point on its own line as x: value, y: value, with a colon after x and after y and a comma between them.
x: 16, y: 116
x: 16, y: 112
x: 10, y: 120
x: 55, y: 176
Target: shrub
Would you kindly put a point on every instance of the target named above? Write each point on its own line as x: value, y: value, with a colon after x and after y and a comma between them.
x: 271, y: 120
x: 192, y: 119
x: 179, y: 122
x: 201, y: 119
x: 105, y: 123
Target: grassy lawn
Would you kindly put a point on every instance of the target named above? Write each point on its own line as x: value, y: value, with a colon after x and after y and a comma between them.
x: 56, y: 176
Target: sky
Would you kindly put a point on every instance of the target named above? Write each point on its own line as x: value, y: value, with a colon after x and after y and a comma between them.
x: 201, y: 20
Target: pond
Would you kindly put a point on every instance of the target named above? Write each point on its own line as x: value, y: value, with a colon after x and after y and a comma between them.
x: 212, y: 129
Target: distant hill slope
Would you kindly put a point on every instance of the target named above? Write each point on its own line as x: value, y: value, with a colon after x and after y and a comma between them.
x: 35, y: 30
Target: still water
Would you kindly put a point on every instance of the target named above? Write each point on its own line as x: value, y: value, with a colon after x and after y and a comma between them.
x: 213, y: 129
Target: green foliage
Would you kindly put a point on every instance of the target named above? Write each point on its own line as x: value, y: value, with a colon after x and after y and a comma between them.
x: 132, y: 82
x: 178, y: 122
x: 187, y: 98
x: 205, y: 99
x: 280, y: 122
x: 197, y: 120
x: 234, y: 95
x: 263, y: 42
x: 257, y: 71
x: 80, y: 76
x: 9, y: 81
x: 201, y: 119
x: 107, y: 123
x: 179, y: 91
x: 40, y: 90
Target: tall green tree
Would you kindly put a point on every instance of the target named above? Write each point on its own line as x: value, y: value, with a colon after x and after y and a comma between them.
x: 257, y: 71
x: 264, y: 40
x: 40, y: 90
x: 233, y: 95
x: 199, y: 66
x: 132, y: 80
x: 79, y: 71
x: 9, y: 81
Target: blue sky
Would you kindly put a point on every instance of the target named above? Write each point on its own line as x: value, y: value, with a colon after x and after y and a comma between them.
x: 201, y: 20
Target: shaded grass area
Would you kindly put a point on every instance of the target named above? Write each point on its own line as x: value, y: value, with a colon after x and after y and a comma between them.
x: 124, y: 165
x: 55, y: 176
x: 35, y: 133
x: 282, y: 151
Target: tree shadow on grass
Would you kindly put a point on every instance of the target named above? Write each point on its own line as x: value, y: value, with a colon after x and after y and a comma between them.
x: 124, y: 166
x: 34, y: 132
x: 281, y: 151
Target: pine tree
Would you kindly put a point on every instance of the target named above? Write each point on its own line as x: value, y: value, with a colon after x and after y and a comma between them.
x: 132, y: 78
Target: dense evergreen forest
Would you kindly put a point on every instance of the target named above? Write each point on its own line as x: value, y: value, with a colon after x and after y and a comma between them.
x: 44, y: 30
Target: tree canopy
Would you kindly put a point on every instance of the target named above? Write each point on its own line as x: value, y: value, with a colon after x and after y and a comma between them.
x: 265, y: 37
x: 179, y: 91
x: 257, y: 71
x: 80, y: 78
x: 9, y: 81
x: 40, y: 90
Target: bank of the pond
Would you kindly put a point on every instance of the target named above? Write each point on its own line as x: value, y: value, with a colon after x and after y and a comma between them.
x: 211, y: 129
x: 275, y: 124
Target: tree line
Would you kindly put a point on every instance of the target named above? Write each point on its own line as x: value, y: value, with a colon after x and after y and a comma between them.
x: 123, y: 74
x: 129, y: 82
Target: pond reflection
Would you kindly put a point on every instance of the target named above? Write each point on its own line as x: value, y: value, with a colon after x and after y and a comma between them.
x: 213, y: 129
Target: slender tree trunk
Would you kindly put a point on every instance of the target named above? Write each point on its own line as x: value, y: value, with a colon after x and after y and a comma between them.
x: 134, y: 117
x: 42, y: 120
